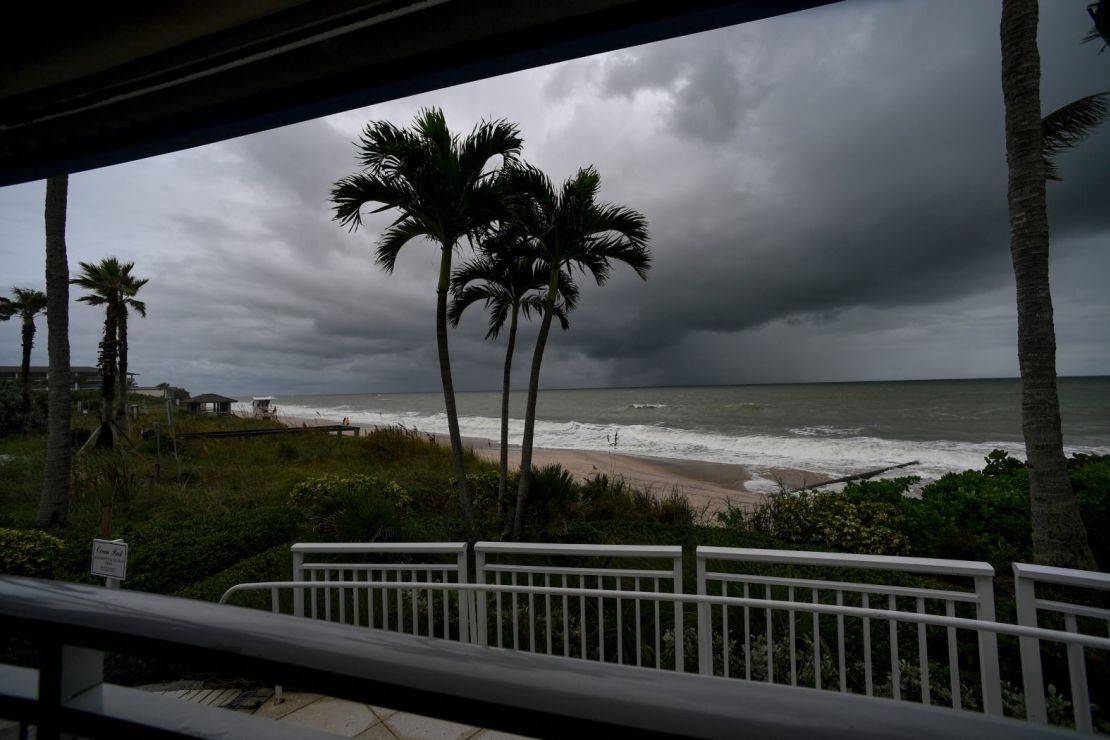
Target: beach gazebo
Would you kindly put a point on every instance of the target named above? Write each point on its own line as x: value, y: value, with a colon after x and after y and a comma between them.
x: 209, y: 403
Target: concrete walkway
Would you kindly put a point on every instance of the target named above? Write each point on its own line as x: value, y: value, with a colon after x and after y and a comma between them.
x: 365, y: 721
x: 323, y: 713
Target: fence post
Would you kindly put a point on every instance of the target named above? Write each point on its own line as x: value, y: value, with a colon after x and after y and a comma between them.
x: 465, y: 634
x: 298, y: 575
x: 679, y: 633
x: 1032, y: 678
x: 705, y: 633
x: 65, y: 672
x: 480, y: 628
x: 988, y: 647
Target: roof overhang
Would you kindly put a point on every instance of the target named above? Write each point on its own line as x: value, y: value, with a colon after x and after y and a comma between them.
x: 96, y: 85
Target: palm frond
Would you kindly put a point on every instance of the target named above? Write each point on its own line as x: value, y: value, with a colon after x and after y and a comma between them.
x: 350, y: 194
x: 489, y: 139
x: 396, y: 236
x: 464, y: 298
x: 1068, y: 125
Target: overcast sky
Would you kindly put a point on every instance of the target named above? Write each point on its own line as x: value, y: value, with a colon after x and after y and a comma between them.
x: 826, y: 193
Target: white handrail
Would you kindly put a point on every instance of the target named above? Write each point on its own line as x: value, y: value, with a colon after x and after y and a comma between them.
x: 834, y: 559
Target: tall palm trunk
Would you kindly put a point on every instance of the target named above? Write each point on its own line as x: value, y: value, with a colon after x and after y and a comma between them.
x: 54, y: 502
x: 121, y: 381
x: 108, y: 351
x: 530, y: 409
x: 506, y: 388
x: 449, y: 392
x: 25, y: 373
x: 1059, y: 537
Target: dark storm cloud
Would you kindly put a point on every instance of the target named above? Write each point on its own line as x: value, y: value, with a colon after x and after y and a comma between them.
x: 879, y: 196
x: 826, y: 194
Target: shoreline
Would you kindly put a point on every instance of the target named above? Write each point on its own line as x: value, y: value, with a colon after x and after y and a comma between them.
x: 711, y: 486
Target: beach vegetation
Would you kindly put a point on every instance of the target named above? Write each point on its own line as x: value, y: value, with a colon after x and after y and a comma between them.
x: 510, y: 282
x: 568, y: 229
x: 444, y: 189
x: 26, y: 303
x: 1059, y: 537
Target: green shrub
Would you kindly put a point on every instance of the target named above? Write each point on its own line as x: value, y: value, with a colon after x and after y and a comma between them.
x: 351, y: 508
x: 828, y: 520
x: 309, y: 493
x: 28, y: 552
x: 168, y: 557
x: 275, y: 564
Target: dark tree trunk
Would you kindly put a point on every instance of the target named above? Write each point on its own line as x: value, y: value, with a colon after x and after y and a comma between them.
x: 54, y: 503
x: 530, y: 409
x: 25, y: 372
x: 449, y: 393
x: 108, y: 350
x: 506, y: 388
x: 121, y: 380
x: 1059, y: 537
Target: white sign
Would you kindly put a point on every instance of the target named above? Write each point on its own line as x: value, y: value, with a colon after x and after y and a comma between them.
x: 109, y: 559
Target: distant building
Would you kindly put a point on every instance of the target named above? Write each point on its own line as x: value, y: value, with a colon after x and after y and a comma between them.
x: 85, y: 378
x: 209, y: 403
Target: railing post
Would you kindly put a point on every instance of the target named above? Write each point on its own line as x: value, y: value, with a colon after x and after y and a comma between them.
x: 298, y: 575
x: 1032, y: 678
x: 480, y: 628
x: 679, y: 634
x: 705, y: 625
x: 465, y: 634
x: 988, y: 647
x: 65, y: 672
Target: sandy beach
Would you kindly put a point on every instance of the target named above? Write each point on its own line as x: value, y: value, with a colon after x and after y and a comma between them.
x: 708, y: 485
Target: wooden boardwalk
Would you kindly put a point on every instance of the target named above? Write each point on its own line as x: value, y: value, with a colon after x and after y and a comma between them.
x: 338, y: 428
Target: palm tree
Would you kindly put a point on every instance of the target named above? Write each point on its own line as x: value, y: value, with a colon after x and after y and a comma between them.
x: 568, y: 229
x: 507, y: 280
x: 445, y: 189
x: 54, y: 503
x: 107, y: 282
x: 128, y: 303
x: 28, y: 303
x: 1059, y: 537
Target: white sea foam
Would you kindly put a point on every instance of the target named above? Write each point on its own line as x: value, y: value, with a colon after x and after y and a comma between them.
x: 814, y: 449
x: 648, y: 406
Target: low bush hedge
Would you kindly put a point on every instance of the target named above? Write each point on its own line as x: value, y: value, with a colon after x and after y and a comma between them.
x: 29, y: 552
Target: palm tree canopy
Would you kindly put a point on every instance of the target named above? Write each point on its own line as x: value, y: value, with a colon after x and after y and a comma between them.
x: 503, y: 278
x: 27, y: 303
x: 442, y: 186
x: 1100, y: 14
x: 569, y: 228
x: 1068, y: 125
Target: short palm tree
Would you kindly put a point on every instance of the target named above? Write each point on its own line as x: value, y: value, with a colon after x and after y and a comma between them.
x: 27, y: 303
x: 568, y: 229
x: 445, y: 189
x: 108, y: 283
x: 509, y: 281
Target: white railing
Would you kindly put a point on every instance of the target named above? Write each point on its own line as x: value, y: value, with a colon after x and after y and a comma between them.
x: 408, y: 576
x: 1078, y: 618
x: 810, y: 628
x: 758, y: 625
x: 592, y: 607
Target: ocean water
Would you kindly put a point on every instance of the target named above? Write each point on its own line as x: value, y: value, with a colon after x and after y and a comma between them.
x: 831, y: 428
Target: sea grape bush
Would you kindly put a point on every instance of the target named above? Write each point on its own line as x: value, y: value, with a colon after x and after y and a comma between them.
x: 351, y: 508
x: 973, y: 515
x: 28, y: 552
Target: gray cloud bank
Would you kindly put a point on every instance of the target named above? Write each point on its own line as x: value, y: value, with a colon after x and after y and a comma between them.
x: 826, y: 193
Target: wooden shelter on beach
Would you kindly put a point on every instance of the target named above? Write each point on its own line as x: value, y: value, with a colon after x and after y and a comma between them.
x: 209, y: 403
